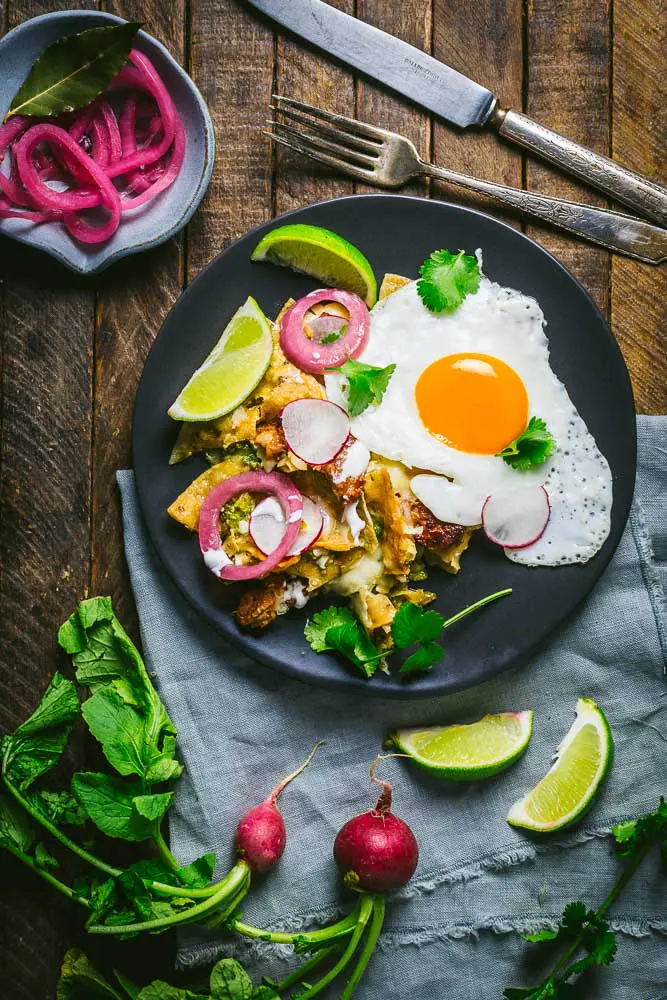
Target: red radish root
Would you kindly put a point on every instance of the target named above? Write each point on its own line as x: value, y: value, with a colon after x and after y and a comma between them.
x: 261, y: 836
x: 376, y: 850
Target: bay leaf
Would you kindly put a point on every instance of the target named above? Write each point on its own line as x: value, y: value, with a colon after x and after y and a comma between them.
x: 74, y: 70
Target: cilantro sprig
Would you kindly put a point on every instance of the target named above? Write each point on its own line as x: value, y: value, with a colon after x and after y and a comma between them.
x: 366, y: 384
x: 446, y: 278
x: 533, y: 447
x: 589, y: 938
x: 336, y: 629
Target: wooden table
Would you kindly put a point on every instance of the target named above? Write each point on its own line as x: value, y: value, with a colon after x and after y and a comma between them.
x: 73, y: 348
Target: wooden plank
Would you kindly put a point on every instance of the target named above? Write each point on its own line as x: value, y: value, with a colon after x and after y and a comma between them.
x: 44, y: 537
x: 133, y: 299
x: 309, y: 76
x: 232, y: 61
x: 411, y: 21
x: 639, y: 139
x: 483, y: 40
x: 568, y: 90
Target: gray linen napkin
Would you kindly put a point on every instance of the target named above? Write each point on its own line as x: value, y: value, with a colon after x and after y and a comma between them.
x: 450, y: 932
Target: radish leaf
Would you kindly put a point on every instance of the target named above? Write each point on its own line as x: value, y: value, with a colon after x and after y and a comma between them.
x: 38, y: 743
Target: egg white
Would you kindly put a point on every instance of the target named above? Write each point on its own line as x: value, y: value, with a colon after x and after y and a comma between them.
x: 508, y: 325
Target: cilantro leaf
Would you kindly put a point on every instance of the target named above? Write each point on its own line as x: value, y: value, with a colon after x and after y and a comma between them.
x: 412, y: 624
x: 533, y: 447
x: 631, y: 835
x: 317, y: 627
x: 446, y: 278
x: 366, y: 384
x: 545, y: 934
x: 338, y: 630
x: 335, y: 335
x: 423, y: 658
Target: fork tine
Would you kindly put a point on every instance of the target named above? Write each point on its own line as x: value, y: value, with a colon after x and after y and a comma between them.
x: 328, y: 147
x: 351, y: 124
x: 329, y: 131
x: 331, y: 161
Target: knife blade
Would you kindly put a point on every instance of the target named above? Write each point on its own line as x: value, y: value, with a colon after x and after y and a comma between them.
x: 454, y: 97
x: 386, y: 58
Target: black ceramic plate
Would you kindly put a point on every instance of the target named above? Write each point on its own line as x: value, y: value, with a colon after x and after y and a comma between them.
x: 396, y: 234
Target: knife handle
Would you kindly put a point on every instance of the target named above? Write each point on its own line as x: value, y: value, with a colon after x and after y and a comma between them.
x: 647, y: 198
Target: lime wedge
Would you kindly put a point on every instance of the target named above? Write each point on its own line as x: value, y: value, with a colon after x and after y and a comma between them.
x: 468, y: 752
x: 566, y: 791
x: 232, y: 369
x: 321, y: 254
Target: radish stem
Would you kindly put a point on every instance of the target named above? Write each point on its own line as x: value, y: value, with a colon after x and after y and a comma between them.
x: 225, y: 889
x: 295, y: 774
x: 345, y: 926
x: 47, y: 876
x: 302, y: 970
x: 365, y: 911
x: 375, y: 926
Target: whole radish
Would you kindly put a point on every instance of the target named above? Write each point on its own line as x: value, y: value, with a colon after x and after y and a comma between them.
x: 376, y: 850
x: 261, y: 836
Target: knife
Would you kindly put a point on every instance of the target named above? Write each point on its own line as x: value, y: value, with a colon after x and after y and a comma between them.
x: 454, y: 97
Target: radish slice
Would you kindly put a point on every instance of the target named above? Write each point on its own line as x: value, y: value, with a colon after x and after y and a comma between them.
x: 267, y: 526
x: 315, y: 429
x: 312, y: 355
x: 274, y: 483
x: 516, y: 518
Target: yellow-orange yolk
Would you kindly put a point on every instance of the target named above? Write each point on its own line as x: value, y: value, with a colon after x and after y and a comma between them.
x: 472, y: 402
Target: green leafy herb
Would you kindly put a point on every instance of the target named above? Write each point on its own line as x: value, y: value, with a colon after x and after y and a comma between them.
x: 118, y: 808
x: 445, y: 280
x: 337, y: 629
x: 74, y: 70
x: 38, y: 743
x: 80, y: 981
x: 125, y: 713
x: 230, y: 981
x: 366, y: 384
x: 58, y: 807
x: 16, y: 832
x: 335, y: 335
x: 585, y: 932
x: 44, y: 859
x: 531, y: 448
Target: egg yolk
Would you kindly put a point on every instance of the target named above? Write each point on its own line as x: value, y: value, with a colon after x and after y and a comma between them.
x: 472, y: 402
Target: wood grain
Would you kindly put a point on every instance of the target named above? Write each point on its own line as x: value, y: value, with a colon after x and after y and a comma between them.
x: 639, y: 140
x: 232, y: 60
x: 483, y: 40
x: 568, y: 90
x: 44, y: 537
x: 411, y: 21
x: 307, y: 75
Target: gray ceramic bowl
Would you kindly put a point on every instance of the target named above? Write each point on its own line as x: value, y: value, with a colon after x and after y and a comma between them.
x: 158, y: 220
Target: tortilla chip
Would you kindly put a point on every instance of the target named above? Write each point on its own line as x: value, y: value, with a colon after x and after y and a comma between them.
x: 391, y: 283
x: 185, y: 508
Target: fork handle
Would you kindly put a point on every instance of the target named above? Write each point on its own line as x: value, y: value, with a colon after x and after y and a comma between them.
x: 649, y: 199
x: 613, y: 230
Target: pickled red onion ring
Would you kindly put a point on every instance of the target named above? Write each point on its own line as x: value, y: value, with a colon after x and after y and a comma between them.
x: 88, y: 149
x: 313, y: 356
x: 275, y: 484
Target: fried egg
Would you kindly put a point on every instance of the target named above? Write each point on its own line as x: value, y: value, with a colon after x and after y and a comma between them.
x: 465, y: 386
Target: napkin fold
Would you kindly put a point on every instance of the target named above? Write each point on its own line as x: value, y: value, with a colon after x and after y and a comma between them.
x: 452, y: 931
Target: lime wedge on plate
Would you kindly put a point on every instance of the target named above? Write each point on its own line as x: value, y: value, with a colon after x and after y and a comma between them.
x: 468, y: 752
x: 321, y: 254
x: 232, y: 369
x: 566, y: 791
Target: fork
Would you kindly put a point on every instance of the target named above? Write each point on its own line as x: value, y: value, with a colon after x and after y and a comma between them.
x: 387, y: 159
